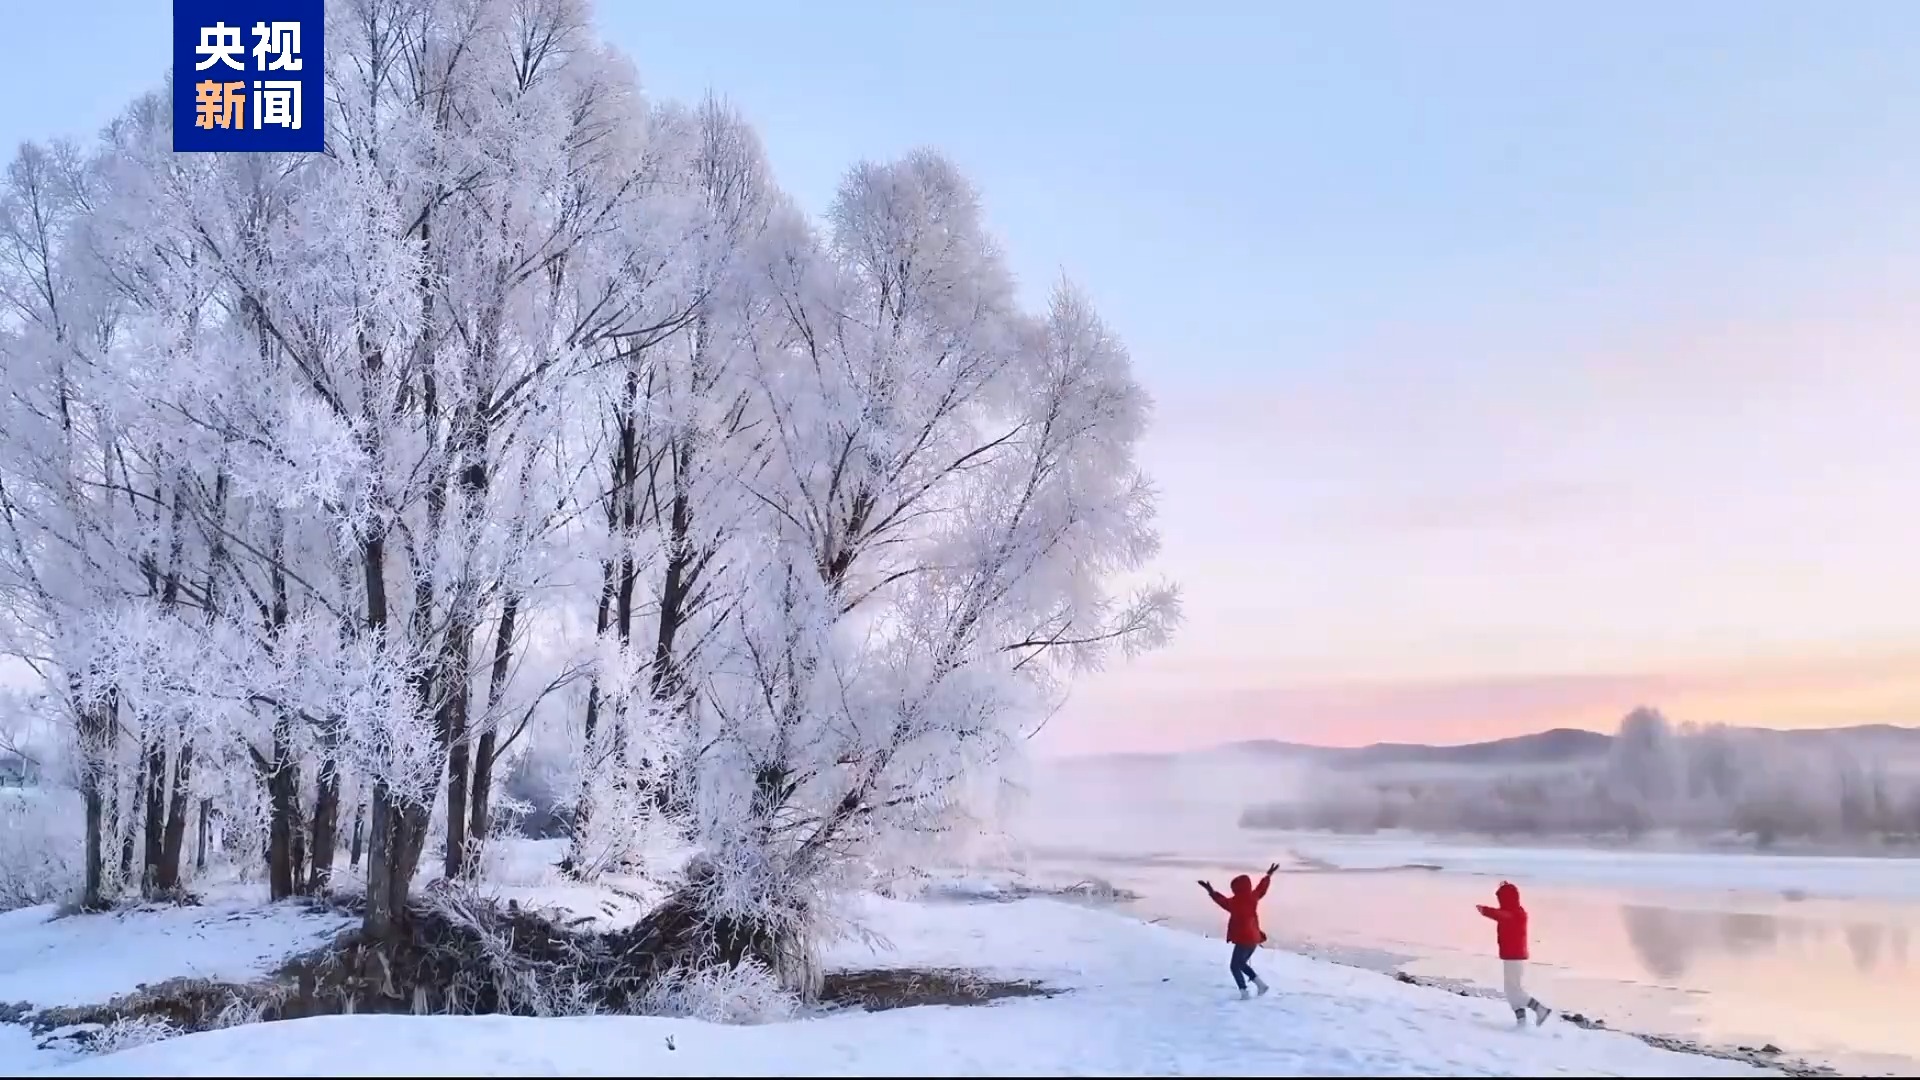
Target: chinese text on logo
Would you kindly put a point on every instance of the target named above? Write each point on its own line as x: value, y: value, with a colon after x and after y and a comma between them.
x: 248, y: 75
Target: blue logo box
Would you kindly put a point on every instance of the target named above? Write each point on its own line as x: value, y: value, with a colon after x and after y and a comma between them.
x: 249, y: 76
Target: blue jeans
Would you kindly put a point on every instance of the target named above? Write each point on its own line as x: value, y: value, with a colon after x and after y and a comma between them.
x: 1242, y: 971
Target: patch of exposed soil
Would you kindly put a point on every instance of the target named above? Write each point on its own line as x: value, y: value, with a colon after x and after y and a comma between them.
x: 468, y: 955
x: 875, y: 989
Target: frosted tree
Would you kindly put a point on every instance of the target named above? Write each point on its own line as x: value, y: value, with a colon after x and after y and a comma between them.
x: 410, y: 314
x: 495, y: 148
x: 192, y: 249
x: 952, y: 493
x: 312, y: 464
x: 680, y: 434
x: 1644, y: 768
x: 51, y: 445
x: 98, y: 499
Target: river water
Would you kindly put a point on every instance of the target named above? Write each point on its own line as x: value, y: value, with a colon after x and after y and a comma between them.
x: 1721, y: 949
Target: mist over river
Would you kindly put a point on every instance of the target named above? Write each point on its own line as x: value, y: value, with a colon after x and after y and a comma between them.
x: 1815, y: 955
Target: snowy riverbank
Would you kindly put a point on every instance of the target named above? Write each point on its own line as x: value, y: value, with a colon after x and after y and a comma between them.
x: 1136, y: 999
x: 1722, y: 952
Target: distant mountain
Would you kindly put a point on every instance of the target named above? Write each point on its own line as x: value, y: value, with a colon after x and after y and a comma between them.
x: 1541, y: 748
x: 1864, y: 739
x: 1552, y: 747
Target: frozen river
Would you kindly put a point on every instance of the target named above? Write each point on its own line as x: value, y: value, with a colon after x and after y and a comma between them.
x: 1814, y: 955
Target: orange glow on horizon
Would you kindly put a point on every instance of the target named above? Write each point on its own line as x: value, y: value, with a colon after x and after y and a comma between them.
x: 1144, y: 709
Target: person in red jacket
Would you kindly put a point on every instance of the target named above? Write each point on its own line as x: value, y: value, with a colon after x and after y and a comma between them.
x: 1510, y: 933
x: 1243, y: 925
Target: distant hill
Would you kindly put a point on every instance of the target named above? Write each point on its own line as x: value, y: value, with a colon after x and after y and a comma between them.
x: 1540, y: 748
x: 1552, y: 747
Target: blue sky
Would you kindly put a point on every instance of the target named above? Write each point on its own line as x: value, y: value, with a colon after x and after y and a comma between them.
x: 1515, y: 361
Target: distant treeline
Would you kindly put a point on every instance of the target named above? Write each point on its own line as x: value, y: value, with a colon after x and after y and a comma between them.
x: 1694, y: 780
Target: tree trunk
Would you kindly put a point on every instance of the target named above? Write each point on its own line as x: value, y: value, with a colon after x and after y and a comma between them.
x: 282, y: 793
x: 126, y: 814
x: 454, y: 733
x: 470, y: 449
x: 484, y: 751
x: 619, y: 766
x: 297, y: 833
x: 153, y: 798
x: 677, y: 584
x: 127, y: 852
x: 583, y: 813
x: 326, y: 825
x: 159, y: 875
x: 98, y: 729
x: 173, y: 838
x: 359, y: 833
x: 393, y: 853
x: 480, y: 798
x: 202, y: 836
x: 616, y: 591
x: 326, y: 802
x: 183, y: 769
x: 676, y: 597
x: 92, y: 897
x: 281, y: 775
x: 389, y: 843
x: 385, y: 910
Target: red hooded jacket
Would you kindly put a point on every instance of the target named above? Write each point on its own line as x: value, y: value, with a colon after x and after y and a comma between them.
x: 1510, y: 922
x: 1243, y: 909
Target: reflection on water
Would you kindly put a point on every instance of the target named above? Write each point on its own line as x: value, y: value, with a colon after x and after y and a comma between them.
x: 1825, y: 978
x: 1744, y: 932
x: 1873, y: 944
x: 1659, y: 938
x: 1670, y: 940
x: 1667, y: 939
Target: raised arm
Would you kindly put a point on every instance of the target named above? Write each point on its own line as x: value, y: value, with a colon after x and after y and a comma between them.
x: 1219, y: 900
x: 1493, y: 913
x: 1266, y: 879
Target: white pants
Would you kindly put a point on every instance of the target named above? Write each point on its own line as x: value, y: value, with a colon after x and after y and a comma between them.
x: 1517, y: 996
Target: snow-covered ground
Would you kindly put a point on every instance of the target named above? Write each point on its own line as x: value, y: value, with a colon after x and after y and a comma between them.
x: 1139, y: 999
x: 47, y: 960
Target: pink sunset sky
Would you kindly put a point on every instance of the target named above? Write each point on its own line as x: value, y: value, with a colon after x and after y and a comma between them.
x: 1514, y: 364
x: 1711, y: 511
